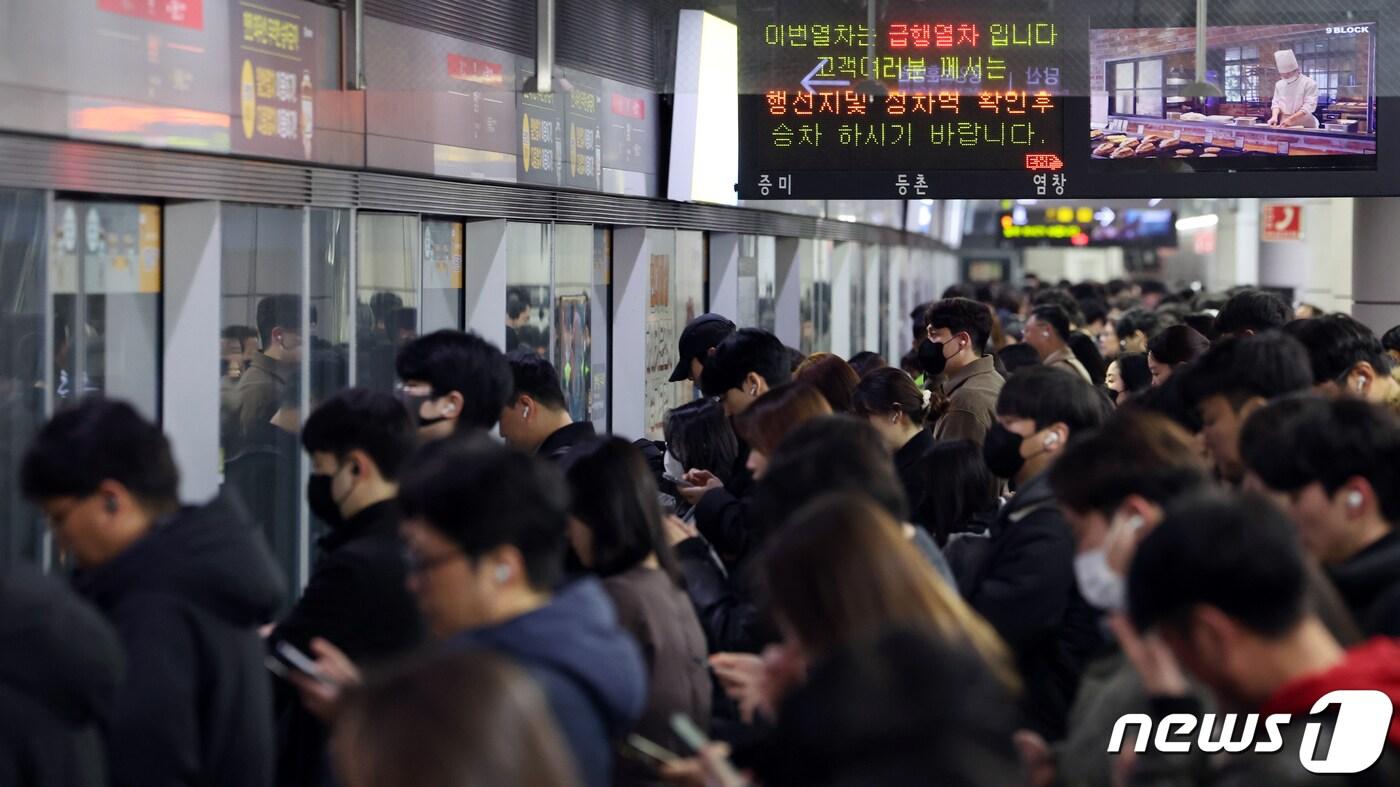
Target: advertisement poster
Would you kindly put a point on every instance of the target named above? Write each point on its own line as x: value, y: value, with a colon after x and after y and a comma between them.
x: 583, y: 135
x: 574, y: 347
x: 541, y: 127
x: 660, y: 346
x: 275, y: 62
x: 442, y: 255
x: 115, y: 244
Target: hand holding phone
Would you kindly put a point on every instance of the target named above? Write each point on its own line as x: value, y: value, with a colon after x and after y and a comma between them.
x: 713, y: 761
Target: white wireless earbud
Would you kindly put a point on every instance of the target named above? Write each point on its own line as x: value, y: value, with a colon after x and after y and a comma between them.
x: 1353, y: 499
x: 502, y: 574
x: 753, y: 391
x: 527, y: 412
x: 1052, y: 439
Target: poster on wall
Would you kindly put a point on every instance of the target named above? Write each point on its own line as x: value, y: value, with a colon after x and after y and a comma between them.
x: 275, y: 68
x: 540, y: 158
x: 116, y: 244
x: 660, y: 346
x: 574, y: 349
x: 602, y: 274
x: 583, y: 136
x: 442, y: 255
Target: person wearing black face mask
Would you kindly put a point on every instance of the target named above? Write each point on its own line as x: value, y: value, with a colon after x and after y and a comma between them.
x: 356, y: 596
x: 1023, y: 582
x: 952, y: 358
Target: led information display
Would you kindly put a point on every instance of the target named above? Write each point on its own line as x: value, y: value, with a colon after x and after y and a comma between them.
x: 1092, y: 99
x: 931, y: 91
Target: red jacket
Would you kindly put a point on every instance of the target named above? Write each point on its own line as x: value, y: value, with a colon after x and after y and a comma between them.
x: 1374, y: 664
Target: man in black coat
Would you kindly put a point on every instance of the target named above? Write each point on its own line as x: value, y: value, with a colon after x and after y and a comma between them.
x: 743, y: 367
x: 537, y: 420
x: 1024, y: 581
x: 356, y: 597
x: 185, y: 588
x: 60, y: 666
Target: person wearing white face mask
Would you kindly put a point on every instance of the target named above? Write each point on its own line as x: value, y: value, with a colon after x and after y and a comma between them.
x: 1112, y: 487
x: 1295, y: 95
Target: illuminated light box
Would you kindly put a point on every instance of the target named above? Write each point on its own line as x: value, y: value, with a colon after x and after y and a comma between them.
x: 704, y: 146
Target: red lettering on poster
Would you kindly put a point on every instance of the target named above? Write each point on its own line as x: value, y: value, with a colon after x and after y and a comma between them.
x: 470, y: 69
x: 629, y: 107
x: 181, y: 13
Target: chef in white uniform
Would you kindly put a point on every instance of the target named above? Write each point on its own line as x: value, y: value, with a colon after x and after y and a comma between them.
x: 1295, y: 95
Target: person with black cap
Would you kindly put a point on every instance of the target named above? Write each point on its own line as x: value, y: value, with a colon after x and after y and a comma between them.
x: 698, y: 342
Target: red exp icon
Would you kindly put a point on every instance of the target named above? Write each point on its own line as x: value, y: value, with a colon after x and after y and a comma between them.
x: 1036, y: 162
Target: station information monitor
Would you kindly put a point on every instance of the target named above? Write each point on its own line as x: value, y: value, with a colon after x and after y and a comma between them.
x: 1097, y: 98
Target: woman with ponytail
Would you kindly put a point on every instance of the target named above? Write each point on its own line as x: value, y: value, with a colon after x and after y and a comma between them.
x: 899, y: 411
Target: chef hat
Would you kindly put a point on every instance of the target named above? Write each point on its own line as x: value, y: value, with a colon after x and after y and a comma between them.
x: 1286, y: 61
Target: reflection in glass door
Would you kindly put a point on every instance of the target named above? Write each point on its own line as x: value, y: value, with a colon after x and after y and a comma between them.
x: 105, y: 285
x: 386, y: 294
x: 24, y: 314
x: 443, y: 247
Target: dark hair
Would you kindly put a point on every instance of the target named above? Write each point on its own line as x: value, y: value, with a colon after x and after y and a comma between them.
x: 963, y: 315
x: 1136, y: 453
x: 830, y: 375
x: 1252, y: 310
x: 1203, y: 323
x: 918, y: 318
x: 1049, y: 395
x: 517, y: 303
x: 828, y: 454
x: 1267, y: 364
x: 278, y: 311
x: 909, y: 363
x: 1055, y: 317
x: 699, y: 435
x: 463, y: 362
x: 1335, y: 343
x: 372, y: 421
x: 1238, y: 554
x: 865, y: 362
x: 1093, y: 309
x: 451, y: 717
x: 382, y: 304
x: 776, y: 413
x: 1177, y: 345
x: 536, y: 378
x: 916, y: 709
x: 1138, y: 319
x: 1018, y: 356
x: 1136, y: 374
x: 615, y: 496
x: 238, y: 332
x: 959, y: 485
x: 887, y: 391
x: 1152, y: 286
x: 746, y: 350
x: 1063, y: 299
x: 1391, y: 339
x: 1086, y: 351
x: 481, y: 495
x: 1301, y: 439
x: 959, y: 290
x: 99, y: 440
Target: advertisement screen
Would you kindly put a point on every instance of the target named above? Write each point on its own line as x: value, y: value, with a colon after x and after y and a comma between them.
x: 1296, y: 96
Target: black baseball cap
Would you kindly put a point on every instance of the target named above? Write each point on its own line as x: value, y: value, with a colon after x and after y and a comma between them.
x: 702, y: 333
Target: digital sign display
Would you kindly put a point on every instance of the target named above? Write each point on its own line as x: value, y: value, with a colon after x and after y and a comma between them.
x: 1087, y: 225
x: 930, y: 91
x: 1094, y: 99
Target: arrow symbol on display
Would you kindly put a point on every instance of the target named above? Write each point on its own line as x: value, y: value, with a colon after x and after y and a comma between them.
x: 808, y: 82
x: 1105, y: 216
